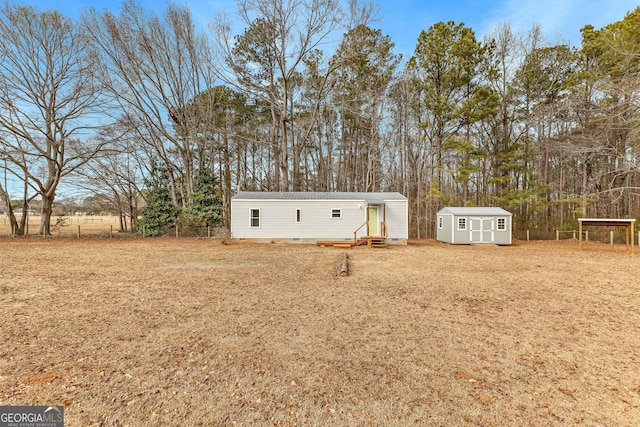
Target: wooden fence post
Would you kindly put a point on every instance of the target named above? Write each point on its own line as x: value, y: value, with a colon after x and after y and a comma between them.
x: 78, y: 231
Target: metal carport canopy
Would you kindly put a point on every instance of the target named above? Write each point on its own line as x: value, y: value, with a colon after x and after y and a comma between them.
x: 609, y: 222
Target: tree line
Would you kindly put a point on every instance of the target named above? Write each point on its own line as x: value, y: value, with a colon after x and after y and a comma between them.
x: 159, y: 117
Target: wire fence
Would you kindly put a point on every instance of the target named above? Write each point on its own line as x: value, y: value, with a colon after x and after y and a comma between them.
x: 110, y: 227
x: 611, y: 235
x: 98, y: 226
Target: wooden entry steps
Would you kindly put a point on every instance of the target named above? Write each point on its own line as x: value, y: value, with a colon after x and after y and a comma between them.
x: 377, y: 242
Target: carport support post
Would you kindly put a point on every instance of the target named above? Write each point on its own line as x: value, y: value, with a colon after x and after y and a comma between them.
x: 626, y: 238
x: 580, y: 233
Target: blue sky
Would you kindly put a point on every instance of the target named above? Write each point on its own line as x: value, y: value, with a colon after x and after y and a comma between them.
x: 403, y: 20
x: 560, y: 19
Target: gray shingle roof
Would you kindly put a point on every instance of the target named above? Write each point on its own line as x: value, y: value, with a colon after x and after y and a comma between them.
x: 473, y: 211
x: 300, y: 195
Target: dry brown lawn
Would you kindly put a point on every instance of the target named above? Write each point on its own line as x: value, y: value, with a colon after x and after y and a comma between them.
x: 188, y: 332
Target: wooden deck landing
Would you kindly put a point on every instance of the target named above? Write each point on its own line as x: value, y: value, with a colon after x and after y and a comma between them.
x: 370, y: 241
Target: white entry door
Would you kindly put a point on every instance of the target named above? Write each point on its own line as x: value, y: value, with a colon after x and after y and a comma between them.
x: 482, y: 230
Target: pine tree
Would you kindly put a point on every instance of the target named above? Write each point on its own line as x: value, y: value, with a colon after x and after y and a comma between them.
x: 160, y: 213
x: 205, y: 206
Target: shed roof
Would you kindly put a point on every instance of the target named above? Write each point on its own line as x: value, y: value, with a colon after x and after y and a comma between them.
x: 475, y: 211
x: 311, y: 195
x: 614, y: 222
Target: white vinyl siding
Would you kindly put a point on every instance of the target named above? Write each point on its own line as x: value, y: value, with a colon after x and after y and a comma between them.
x: 278, y: 218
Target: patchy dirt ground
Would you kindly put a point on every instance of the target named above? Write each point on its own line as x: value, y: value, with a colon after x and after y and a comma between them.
x: 186, y: 332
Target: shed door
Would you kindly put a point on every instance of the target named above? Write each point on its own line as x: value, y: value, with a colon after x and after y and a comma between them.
x: 476, y: 230
x: 482, y: 230
x: 487, y: 230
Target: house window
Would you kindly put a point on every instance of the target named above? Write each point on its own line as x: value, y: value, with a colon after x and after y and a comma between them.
x: 462, y: 223
x: 255, y: 218
x: 440, y: 222
x: 336, y: 213
x: 502, y: 224
x: 298, y: 215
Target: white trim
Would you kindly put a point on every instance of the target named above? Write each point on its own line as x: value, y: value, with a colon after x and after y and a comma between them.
x: 251, y: 217
x: 462, y: 221
x: 504, y: 223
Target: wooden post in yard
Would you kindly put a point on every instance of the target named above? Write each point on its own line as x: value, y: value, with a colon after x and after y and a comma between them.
x: 78, y: 231
x: 580, y: 233
x: 626, y: 238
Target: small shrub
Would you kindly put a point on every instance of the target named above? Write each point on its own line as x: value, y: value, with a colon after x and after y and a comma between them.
x: 222, y: 235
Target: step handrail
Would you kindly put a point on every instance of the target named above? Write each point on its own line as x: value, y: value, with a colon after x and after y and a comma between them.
x: 355, y: 238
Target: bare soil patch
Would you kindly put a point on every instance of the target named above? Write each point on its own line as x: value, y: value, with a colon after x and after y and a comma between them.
x: 188, y: 332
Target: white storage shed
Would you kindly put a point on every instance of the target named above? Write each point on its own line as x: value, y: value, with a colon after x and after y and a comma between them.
x: 309, y: 217
x: 468, y: 225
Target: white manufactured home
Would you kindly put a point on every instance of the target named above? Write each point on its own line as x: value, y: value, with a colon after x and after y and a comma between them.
x: 309, y: 217
x: 468, y: 225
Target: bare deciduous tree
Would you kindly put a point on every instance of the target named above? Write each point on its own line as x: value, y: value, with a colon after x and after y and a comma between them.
x: 266, y: 58
x: 154, y: 67
x: 48, y: 100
